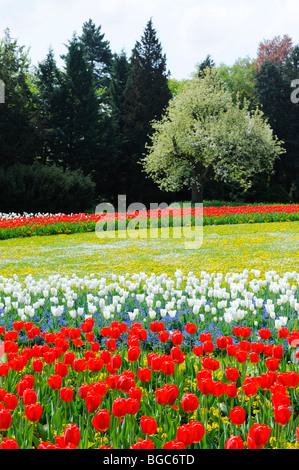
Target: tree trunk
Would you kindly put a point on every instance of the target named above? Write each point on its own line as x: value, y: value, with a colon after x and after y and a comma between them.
x: 197, y: 192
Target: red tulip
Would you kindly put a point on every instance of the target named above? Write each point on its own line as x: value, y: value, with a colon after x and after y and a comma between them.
x: 205, y: 386
x: 257, y: 347
x: 177, y: 355
x: 54, y: 381
x: 99, y: 387
x: 101, y: 420
x: 230, y: 389
x: 277, y: 351
x: 198, y: 431
x: 37, y: 365
x: 163, y: 336
x: 177, y: 338
x: 174, y: 444
x: 5, y: 420
x: 18, y: 325
x: 49, y: 357
x: 234, y: 442
x: 168, y: 367
x: 66, y: 394
x: 268, y: 349
x: 289, y: 379
x: 133, y: 353
x: 4, y: 368
x: 11, y: 401
x: 148, y: 425
x: 232, y: 374
x: 162, y: 396
x: 111, y: 345
x: 265, y: 381
x: 105, y: 356
x: 259, y: 433
x: 272, y: 363
x: 8, y: 443
x: 189, y: 402
x: 190, y: 328
x: 72, y: 435
x: 116, y: 361
x: 218, y: 389
x: 282, y: 414
x: 210, y: 363
x: 68, y: 358
x: 29, y: 396
x: 119, y: 407
x: 204, y: 374
x: 33, y: 412
x: 172, y: 391
x: 250, y: 386
x: 241, y: 356
x: 144, y: 374
x: 133, y: 406
x: 264, y: 333
x: 92, y: 401
x: 21, y: 386
x: 95, y: 364
x: 237, y: 415
x: 135, y: 393
x: 185, y: 434
x: 95, y: 346
x: 208, y: 347
x: 143, y: 444
x: 198, y: 351
x: 61, y: 369
x: 205, y: 337
x: 79, y: 365
x: 223, y: 341
x: 156, y: 326
x: 283, y: 333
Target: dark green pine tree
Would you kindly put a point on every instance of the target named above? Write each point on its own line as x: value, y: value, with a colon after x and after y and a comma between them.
x: 146, y: 97
x: 273, y: 90
x: 19, y: 126
x: 208, y: 62
x: 86, y: 126
x: 79, y: 111
x: 48, y: 81
x: 97, y: 52
x: 116, y: 94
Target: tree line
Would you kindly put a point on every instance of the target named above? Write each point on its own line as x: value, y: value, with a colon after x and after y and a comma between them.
x: 74, y: 136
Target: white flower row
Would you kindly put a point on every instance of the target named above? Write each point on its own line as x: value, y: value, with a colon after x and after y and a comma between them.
x: 229, y: 297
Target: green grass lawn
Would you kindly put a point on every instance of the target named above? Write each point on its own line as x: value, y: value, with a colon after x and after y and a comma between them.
x: 225, y: 248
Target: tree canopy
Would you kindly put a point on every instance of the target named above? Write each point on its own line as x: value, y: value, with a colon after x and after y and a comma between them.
x: 205, y: 132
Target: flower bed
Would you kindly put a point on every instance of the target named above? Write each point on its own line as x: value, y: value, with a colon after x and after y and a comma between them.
x: 150, y: 361
x: 16, y: 225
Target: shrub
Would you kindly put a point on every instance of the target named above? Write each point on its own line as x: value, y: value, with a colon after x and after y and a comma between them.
x: 44, y: 188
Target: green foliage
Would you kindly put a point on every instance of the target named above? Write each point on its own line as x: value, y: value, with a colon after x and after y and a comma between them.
x: 43, y: 188
x: 97, y: 52
x: 19, y: 127
x: 273, y: 91
x: 146, y: 96
x: 240, y: 79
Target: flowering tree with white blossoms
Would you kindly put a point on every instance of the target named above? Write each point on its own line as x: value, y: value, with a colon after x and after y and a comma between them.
x: 203, y: 133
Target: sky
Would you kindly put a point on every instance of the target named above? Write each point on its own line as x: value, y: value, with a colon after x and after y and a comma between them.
x: 188, y: 30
